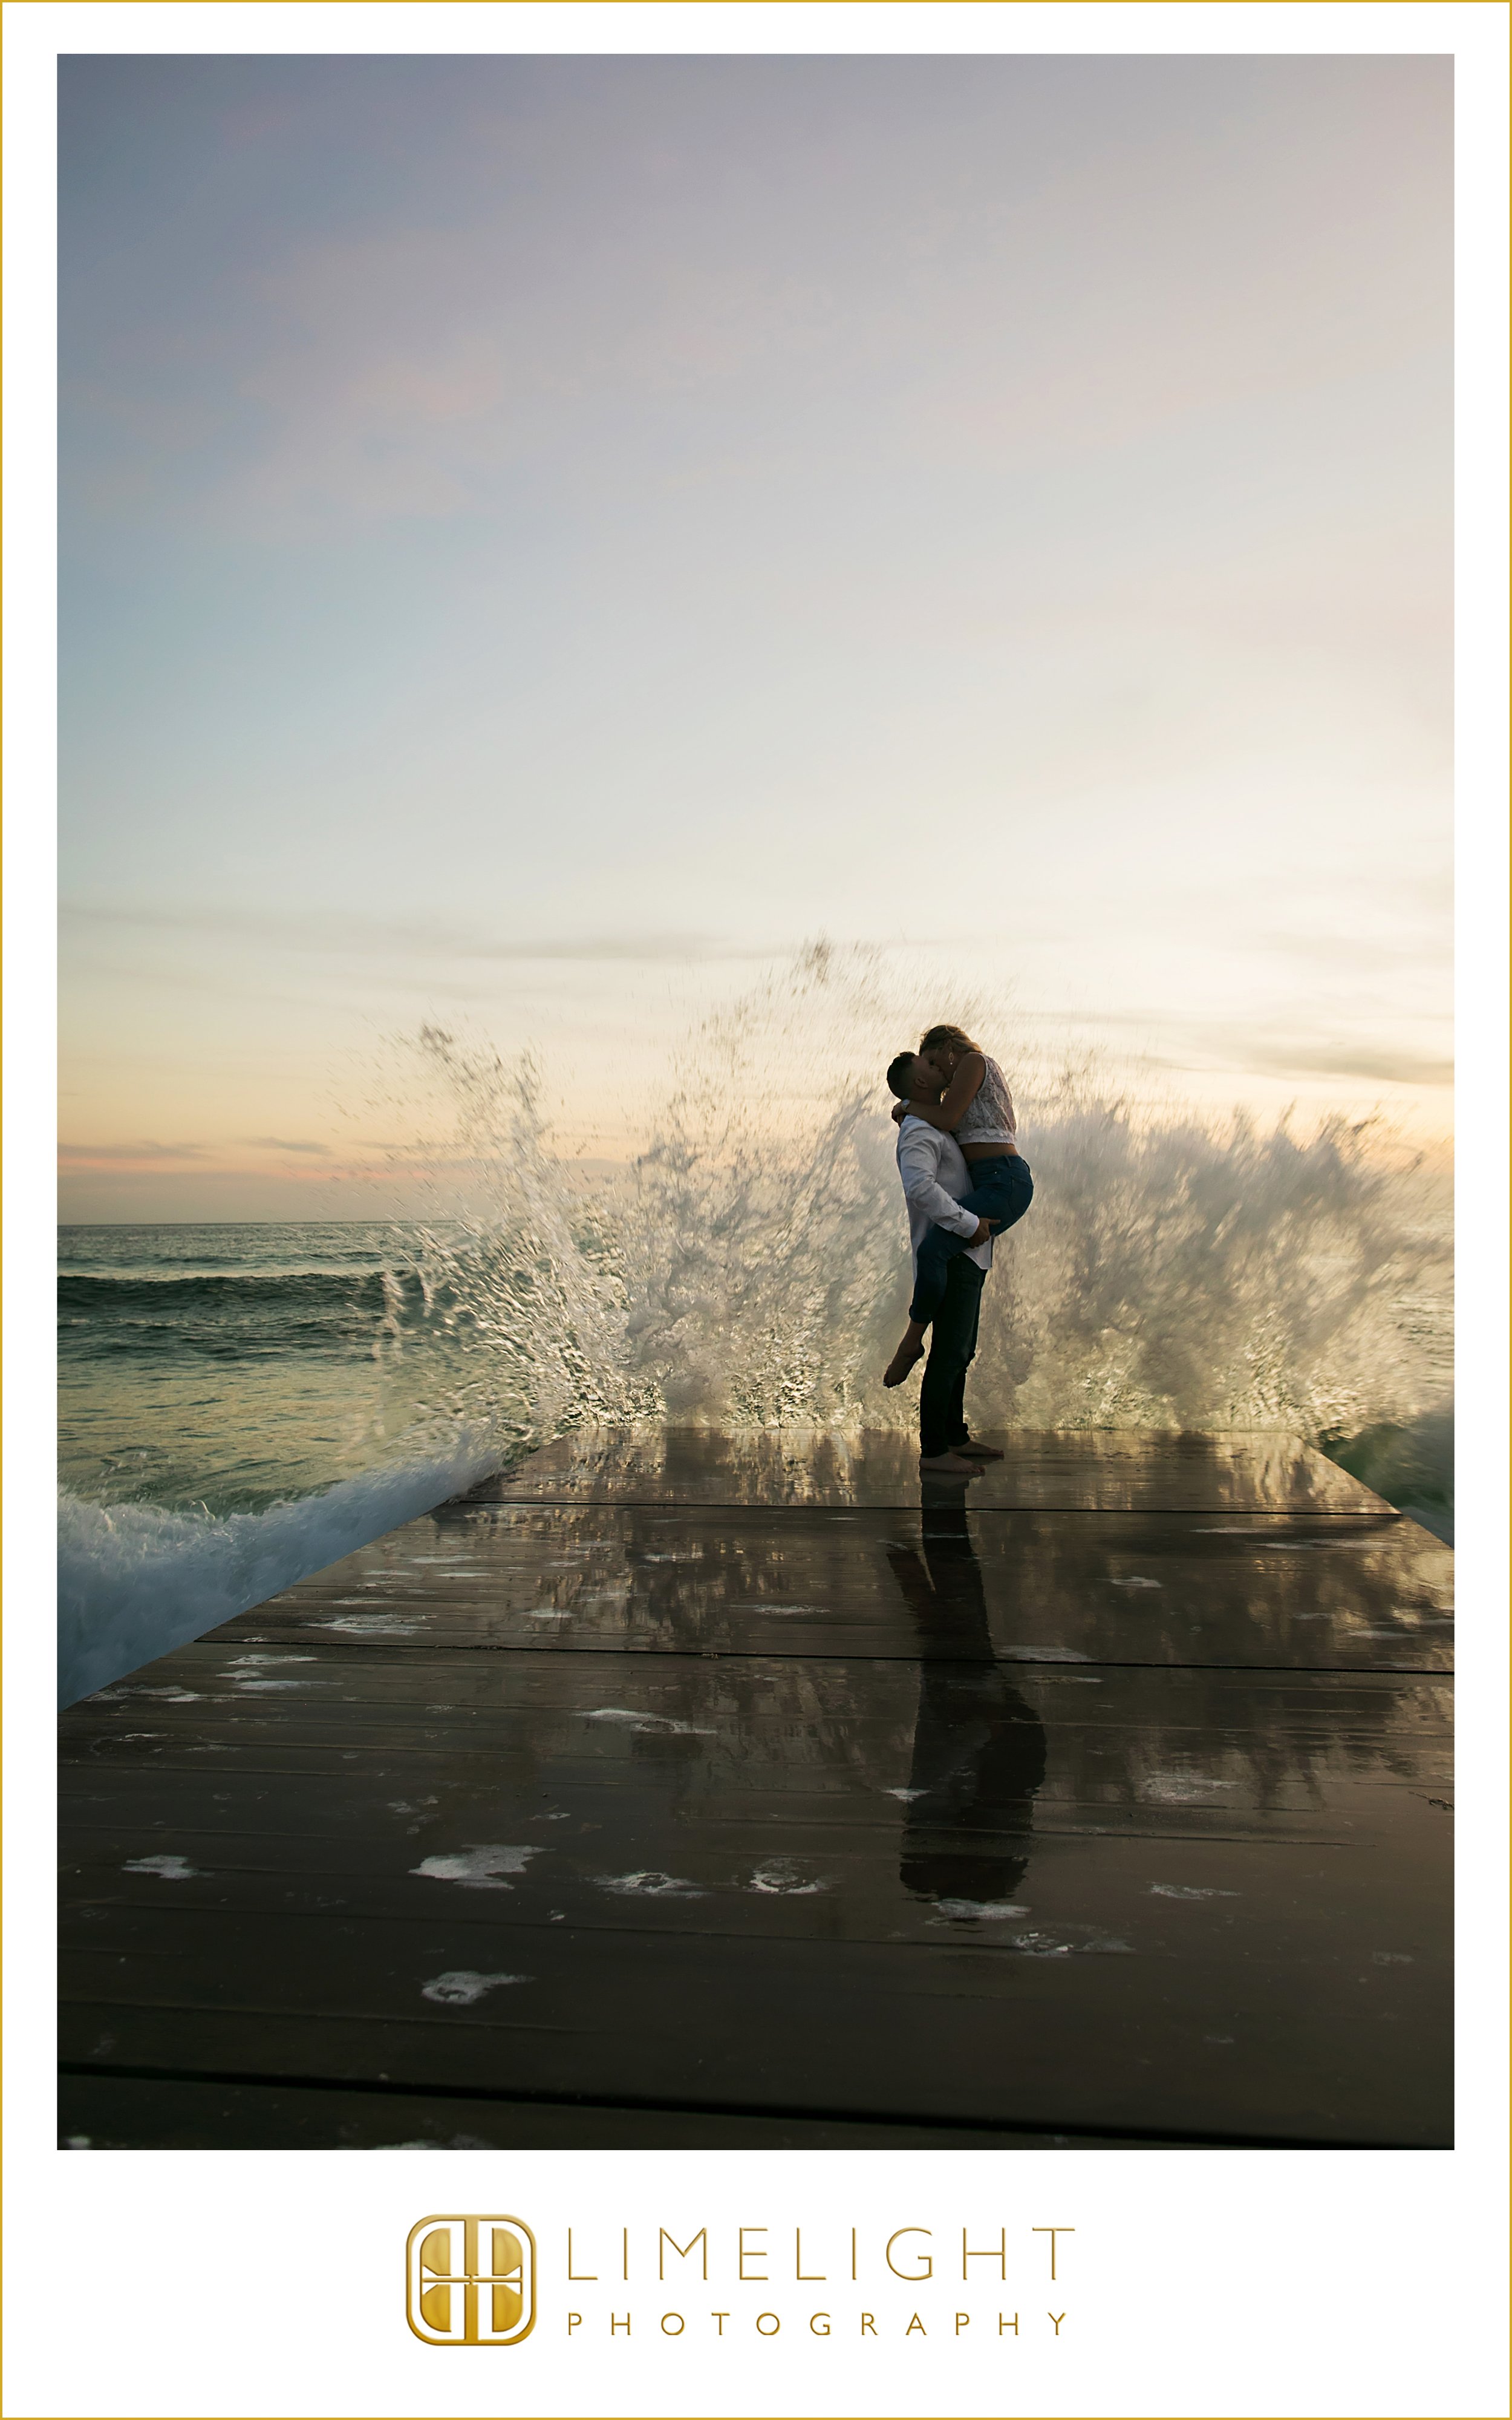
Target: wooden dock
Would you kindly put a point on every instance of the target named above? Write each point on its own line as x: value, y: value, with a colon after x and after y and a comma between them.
x: 689, y: 1790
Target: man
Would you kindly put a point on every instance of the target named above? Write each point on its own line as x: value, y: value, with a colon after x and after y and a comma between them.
x: 935, y: 1176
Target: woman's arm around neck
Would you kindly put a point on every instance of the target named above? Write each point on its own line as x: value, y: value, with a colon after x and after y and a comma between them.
x: 947, y: 1112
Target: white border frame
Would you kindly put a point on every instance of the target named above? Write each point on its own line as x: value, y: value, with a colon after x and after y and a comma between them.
x: 1308, y: 2283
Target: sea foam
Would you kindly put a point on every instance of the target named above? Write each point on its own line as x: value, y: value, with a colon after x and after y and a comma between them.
x: 135, y: 1579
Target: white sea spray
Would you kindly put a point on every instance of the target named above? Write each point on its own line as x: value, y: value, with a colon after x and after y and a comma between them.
x: 750, y: 1266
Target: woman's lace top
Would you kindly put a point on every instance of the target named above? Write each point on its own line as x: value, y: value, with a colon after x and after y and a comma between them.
x: 989, y: 1115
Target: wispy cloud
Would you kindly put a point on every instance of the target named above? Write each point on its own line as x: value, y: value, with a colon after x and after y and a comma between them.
x: 282, y: 1142
x: 1252, y: 1050
x: 139, y: 1154
x: 1379, y: 1065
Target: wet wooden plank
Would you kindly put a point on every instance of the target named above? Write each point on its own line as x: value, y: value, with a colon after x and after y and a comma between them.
x: 1084, y: 1471
x: 1280, y: 1591
x: 730, y: 1790
x: 1001, y: 1876
x: 555, y: 1744
x: 115, y: 2112
x: 1215, y: 2045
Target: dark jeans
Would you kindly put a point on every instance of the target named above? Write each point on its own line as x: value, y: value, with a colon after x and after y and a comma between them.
x: 942, y: 1397
x: 1001, y: 1190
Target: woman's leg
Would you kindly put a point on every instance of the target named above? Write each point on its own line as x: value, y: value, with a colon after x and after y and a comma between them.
x: 1001, y: 1194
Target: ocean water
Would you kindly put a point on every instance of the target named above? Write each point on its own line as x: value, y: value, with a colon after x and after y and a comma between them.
x: 242, y: 1405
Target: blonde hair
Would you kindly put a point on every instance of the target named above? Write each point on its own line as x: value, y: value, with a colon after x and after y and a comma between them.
x: 948, y: 1037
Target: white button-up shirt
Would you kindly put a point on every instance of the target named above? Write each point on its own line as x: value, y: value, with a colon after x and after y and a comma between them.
x: 935, y: 1172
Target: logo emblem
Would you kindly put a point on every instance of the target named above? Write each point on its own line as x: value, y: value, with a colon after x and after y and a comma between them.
x: 471, y: 2281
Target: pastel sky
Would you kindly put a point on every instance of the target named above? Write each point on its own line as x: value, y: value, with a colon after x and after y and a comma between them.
x: 542, y: 538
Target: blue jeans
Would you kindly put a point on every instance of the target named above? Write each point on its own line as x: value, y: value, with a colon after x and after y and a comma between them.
x: 1001, y: 1191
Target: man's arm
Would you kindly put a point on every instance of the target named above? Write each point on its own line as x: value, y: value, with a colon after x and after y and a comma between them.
x: 919, y: 1163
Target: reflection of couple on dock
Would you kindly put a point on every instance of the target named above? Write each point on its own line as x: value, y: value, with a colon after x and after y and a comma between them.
x: 966, y: 1181
x: 978, y: 1745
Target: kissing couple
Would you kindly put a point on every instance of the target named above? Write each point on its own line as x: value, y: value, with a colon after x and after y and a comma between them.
x: 964, y: 1181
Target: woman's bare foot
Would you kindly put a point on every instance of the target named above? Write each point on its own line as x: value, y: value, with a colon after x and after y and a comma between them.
x: 956, y: 1461
x: 909, y: 1351
x: 980, y: 1453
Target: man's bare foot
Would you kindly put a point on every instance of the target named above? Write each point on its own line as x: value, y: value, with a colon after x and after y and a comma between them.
x: 955, y: 1462
x: 980, y: 1453
x: 902, y: 1362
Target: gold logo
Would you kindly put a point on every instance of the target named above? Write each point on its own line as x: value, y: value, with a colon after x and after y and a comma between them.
x: 471, y: 2281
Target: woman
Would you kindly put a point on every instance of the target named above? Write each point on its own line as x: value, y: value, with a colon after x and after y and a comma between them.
x: 976, y: 1107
